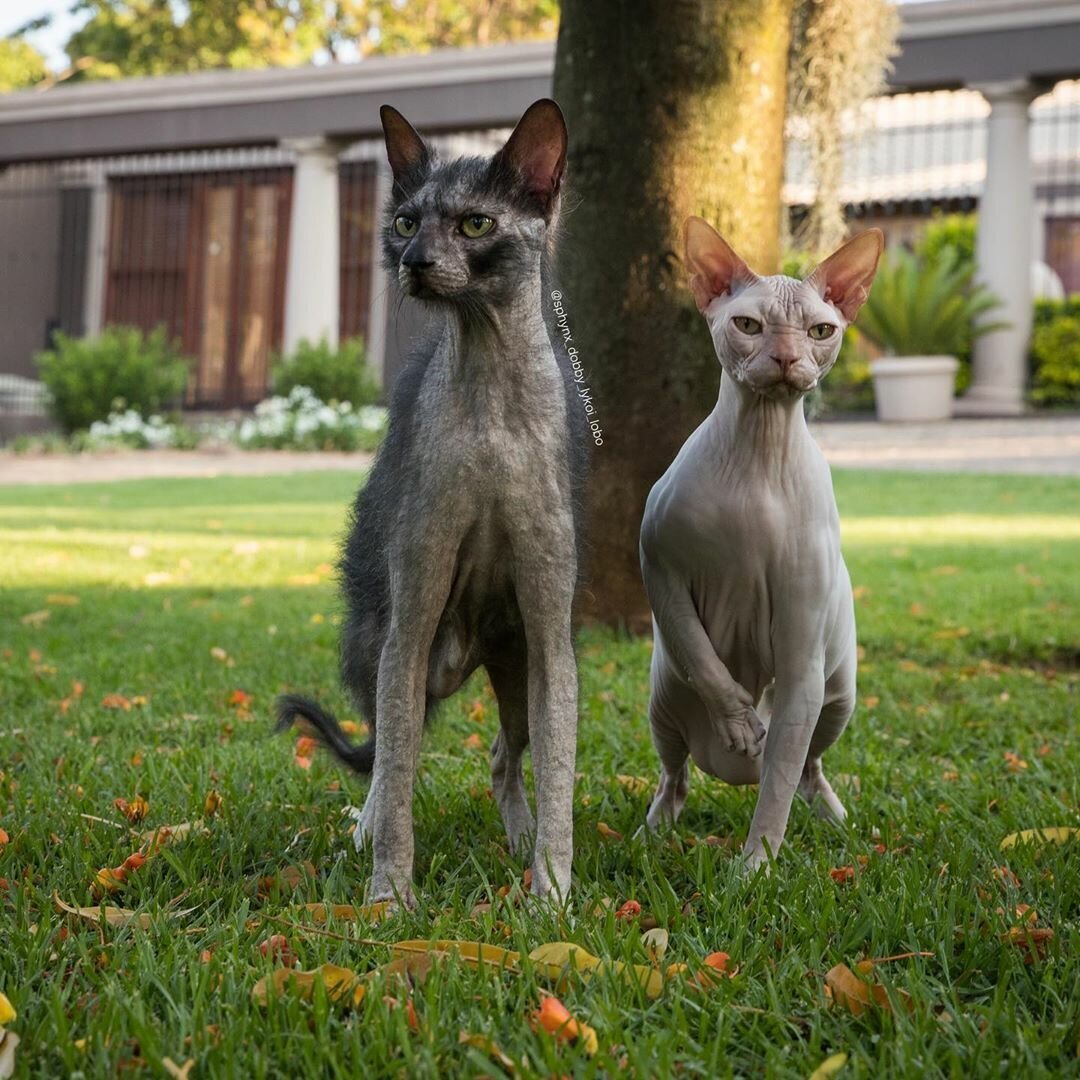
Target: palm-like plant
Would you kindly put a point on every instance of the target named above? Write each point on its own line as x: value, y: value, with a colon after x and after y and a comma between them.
x: 926, y: 307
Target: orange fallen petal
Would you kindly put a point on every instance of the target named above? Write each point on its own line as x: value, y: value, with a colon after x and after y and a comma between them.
x: 607, y: 832
x: 630, y: 910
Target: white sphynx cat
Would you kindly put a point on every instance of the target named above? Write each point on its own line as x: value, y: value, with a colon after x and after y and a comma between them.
x: 753, y: 672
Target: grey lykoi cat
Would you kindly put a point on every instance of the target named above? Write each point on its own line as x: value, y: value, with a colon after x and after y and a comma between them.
x: 464, y: 545
x: 753, y: 672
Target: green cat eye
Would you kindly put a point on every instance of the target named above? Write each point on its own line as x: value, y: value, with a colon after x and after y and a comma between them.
x: 405, y: 226
x: 822, y: 330
x: 476, y: 225
x: 746, y: 324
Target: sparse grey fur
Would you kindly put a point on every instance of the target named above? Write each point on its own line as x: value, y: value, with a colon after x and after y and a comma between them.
x: 464, y: 550
x: 754, y: 659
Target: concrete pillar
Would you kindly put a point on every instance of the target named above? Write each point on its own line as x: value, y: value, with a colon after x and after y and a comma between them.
x: 1004, y: 251
x: 312, y: 286
x: 379, y: 298
x: 97, y: 255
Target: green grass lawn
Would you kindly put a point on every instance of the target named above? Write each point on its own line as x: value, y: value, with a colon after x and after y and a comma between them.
x: 174, y: 594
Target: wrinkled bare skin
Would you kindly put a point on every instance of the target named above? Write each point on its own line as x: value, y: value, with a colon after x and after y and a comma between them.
x: 754, y: 660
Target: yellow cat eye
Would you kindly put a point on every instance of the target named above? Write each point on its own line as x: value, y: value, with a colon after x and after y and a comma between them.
x: 746, y: 324
x: 822, y: 331
x: 476, y: 225
x: 405, y: 226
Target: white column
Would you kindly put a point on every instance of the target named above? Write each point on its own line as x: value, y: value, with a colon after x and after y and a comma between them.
x: 379, y: 298
x: 1004, y: 251
x: 312, y: 303
x: 97, y: 254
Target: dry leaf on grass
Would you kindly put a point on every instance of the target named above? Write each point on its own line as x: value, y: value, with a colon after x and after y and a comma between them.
x: 636, y: 785
x: 829, y: 1067
x: 656, y: 943
x: 113, y: 879
x: 607, y: 832
x: 559, y: 958
x: 555, y: 1018
x: 1058, y: 834
x: 487, y: 1046
x: 342, y: 984
x: 848, y: 991
x: 166, y: 835
x: 474, y: 953
x: 116, y: 916
x: 135, y: 810
x: 368, y: 913
x: 178, y: 1072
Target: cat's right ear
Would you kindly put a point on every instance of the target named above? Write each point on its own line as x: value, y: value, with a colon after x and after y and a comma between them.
x: 405, y: 150
x: 714, y: 267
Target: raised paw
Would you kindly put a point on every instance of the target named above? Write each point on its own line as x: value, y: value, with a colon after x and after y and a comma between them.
x: 740, y: 730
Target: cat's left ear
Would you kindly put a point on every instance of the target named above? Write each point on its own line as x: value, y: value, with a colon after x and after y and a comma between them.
x: 844, y: 278
x: 536, y: 151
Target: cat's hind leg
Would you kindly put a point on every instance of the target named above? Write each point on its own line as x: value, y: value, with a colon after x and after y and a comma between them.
x: 674, y: 783
x: 835, y: 713
x: 510, y: 683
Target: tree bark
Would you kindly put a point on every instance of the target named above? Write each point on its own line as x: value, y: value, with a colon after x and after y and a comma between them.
x: 674, y: 108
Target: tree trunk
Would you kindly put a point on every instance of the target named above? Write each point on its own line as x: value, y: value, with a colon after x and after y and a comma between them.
x: 674, y: 108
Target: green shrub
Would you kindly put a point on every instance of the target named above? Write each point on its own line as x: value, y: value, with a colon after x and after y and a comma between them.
x: 122, y: 368
x: 926, y: 306
x: 1055, y: 354
x: 956, y: 231
x: 332, y: 375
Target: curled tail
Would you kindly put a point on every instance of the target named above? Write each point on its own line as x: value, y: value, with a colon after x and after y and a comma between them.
x: 291, y: 706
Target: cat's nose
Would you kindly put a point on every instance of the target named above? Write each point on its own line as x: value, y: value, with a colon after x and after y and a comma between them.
x: 417, y: 262
x: 785, y: 363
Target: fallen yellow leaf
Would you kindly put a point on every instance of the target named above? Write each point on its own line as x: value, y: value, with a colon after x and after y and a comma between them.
x: 555, y: 960
x: 1054, y: 835
x: 486, y: 1045
x: 476, y: 953
x: 829, y: 1067
x: 851, y: 993
x: 115, y: 916
x: 178, y: 1072
x: 636, y: 785
x: 338, y: 981
x: 368, y: 913
x: 7, y: 1010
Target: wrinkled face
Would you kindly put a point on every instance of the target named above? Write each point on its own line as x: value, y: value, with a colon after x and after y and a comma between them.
x: 776, y: 335
x: 463, y: 233
x: 469, y: 232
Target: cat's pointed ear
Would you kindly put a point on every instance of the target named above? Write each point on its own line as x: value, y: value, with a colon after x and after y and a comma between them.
x: 714, y: 267
x: 405, y: 150
x: 845, y: 277
x: 536, y: 151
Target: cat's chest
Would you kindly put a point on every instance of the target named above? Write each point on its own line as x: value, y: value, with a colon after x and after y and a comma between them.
x: 500, y: 415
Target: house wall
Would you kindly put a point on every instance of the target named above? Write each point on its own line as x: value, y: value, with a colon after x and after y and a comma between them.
x: 30, y: 226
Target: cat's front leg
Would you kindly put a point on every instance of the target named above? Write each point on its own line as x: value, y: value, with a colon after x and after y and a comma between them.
x: 545, y: 579
x: 418, y: 599
x: 728, y: 705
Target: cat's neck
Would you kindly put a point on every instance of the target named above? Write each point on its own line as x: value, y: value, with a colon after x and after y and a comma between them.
x: 510, y: 332
x: 750, y: 431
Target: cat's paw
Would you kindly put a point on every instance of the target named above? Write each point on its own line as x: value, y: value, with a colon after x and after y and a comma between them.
x: 740, y: 730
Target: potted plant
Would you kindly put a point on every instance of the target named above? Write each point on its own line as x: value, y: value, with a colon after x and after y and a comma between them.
x: 922, y: 313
